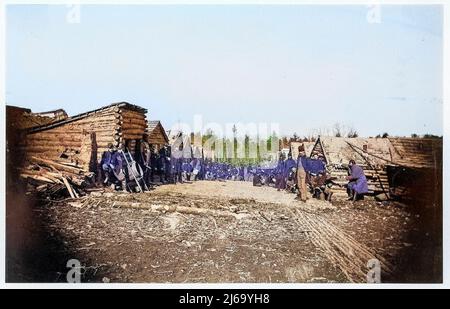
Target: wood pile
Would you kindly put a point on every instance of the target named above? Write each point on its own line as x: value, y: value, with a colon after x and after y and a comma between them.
x: 56, y: 178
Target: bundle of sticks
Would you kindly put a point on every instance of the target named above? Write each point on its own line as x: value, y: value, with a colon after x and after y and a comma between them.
x: 51, y: 176
x: 342, y: 250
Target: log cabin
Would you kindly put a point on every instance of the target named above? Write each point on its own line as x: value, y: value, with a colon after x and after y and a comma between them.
x: 395, y: 167
x: 83, y: 138
x: 372, y: 154
x: 156, y: 135
x: 18, y: 121
x: 417, y: 174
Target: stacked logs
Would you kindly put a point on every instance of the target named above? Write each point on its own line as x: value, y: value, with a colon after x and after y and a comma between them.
x: 51, y: 176
x: 377, y: 179
x: 132, y: 125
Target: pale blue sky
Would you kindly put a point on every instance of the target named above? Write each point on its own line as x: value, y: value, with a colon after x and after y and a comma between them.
x: 305, y: 67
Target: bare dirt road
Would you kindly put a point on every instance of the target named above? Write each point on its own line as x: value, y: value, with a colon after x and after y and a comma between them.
x: 260, y: 235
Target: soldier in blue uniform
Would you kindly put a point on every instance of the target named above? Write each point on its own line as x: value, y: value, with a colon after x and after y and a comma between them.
x: 161, y: 165
x: 154, y: 163
x: 280, y: 183
x: 112, y: 167
x: 167, y: 164
x: 106, y: 164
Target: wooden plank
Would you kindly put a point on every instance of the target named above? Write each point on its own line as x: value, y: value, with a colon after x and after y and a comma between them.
x: 69, y: 188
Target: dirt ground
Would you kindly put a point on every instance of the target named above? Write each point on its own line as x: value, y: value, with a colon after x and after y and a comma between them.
x: 268, y: 242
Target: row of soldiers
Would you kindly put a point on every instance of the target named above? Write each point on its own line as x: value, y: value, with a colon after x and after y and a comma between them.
x: 120, y: 169
x: 123, y: 170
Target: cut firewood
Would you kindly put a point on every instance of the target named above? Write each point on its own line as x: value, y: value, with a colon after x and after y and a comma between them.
x: 56, y: 165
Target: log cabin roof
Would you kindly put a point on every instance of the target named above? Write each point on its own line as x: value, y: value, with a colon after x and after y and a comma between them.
x: 24, y: 119
x: 418, y: 152
x: 153, y: 126
x: 399, y: 151
x: 57, y: 114
x: 124, y: 105
x: 365, y: 151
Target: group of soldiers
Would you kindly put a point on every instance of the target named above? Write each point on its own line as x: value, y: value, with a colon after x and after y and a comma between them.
x: 302, y: 175
x: 309, y: 174
x: 138, y: 172
x: 148, y: 165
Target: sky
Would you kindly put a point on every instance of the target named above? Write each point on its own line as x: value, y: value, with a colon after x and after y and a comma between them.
x: 302, y: 67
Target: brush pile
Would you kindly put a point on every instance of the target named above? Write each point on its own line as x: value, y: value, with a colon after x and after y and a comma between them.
x: 56, y: 178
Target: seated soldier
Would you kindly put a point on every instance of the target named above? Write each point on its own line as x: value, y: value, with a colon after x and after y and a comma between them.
x: 257, y: 180
x: 321, y: 185
x: 357, y: 185
x: 106, y: 164
x: 112, y: 167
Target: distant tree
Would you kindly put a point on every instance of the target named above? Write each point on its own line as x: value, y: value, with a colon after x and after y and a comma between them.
x: 378, y: 136
x: 285, y: 141
x: 337, y: 130
x: 385, y: 135
x: 210, y: 137
x: 294, y: 137
x: 414, y: 135
x: 352, y: 133
x: 235, y: 141
x: 431, y: 136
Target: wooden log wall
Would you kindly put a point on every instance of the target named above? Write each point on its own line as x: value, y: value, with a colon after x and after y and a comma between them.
x: 377, y: 180
x: 133, y: 126
x: 156, y: 137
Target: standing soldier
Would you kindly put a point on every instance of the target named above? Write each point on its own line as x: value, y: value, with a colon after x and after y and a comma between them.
x: 161, y: 165
x: 301, y: 174
x: 288, y: 167
x: 279, y: 173
x: 167, y: 164
x: 153, y: 163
